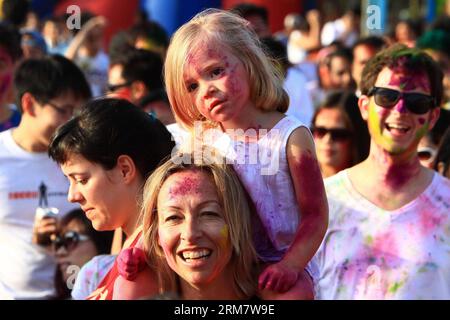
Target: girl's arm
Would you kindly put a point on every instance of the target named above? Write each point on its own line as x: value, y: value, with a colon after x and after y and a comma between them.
x: 311, y: 198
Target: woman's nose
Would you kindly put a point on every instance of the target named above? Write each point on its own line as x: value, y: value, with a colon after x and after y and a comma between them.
x: 190, y: 230
x: 74, y: 195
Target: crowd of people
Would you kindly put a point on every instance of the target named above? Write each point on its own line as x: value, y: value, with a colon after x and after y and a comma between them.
x: 224, y: 162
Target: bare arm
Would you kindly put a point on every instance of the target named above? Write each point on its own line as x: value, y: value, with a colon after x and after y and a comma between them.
x: 79, y: 39
x: 311, y: 198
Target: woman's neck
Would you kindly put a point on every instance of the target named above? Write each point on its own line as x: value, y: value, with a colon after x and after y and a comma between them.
x: 134, y: 223
x: 220, y: 289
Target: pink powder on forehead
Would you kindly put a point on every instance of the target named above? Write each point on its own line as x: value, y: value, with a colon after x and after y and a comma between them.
x: 409, y: 80
x: 185, y: 186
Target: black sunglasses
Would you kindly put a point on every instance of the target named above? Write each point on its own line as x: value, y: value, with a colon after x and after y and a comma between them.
x: 115, y: 87
x: 417, y: 103
x: 336, y: 134
x: 68, y: 240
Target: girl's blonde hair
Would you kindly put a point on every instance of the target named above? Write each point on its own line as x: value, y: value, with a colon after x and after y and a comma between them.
x: 235, y: 205
x: 233, y: 32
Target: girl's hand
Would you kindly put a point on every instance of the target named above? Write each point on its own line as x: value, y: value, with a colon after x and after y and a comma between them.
x: 130, y: 262
x: 278, y: 277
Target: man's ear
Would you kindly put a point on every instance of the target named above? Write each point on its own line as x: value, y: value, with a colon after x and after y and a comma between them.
x: 138, y: 89
x: 434, y: 116
x: 28, y: 103
x: 363, y: 104
x: 127, y: 168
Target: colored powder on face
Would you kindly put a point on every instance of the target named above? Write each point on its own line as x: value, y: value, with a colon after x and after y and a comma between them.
x: 224, y: 236
x: 422, y: 121
x: 409, y: 80
x: 401, y: 106
x: 375, y: 128
x: 186, y: 186
x: 422, y: 131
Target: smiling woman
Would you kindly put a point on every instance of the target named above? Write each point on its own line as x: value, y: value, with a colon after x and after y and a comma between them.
x: 197, y: 230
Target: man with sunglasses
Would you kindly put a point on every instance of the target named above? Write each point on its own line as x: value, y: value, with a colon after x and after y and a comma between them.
x: 48, y: 91
x: 136, y: 75
x: 389, y: 216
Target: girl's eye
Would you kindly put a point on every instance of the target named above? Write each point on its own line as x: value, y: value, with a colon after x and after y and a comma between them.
x: 191, y: 87
x: 217, y: 72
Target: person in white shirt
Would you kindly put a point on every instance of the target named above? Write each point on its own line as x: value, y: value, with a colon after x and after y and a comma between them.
x: 48, y: 91
x: 388, y: 235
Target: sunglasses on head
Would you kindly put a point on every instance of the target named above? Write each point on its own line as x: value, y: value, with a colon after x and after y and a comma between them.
x: 417, y: 103
x: 336, y: 134
x: 68, y: 240
x: 426, y: 154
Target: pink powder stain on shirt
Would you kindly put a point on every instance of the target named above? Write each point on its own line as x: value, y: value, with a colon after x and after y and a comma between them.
x: 429, y: 222
x: 385, y: 244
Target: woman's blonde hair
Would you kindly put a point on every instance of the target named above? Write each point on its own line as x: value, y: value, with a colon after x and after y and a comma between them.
x: 237, y: 214
x: 233, y: 32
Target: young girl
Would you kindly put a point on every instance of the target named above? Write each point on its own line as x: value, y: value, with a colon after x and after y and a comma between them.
x: 217, y: 73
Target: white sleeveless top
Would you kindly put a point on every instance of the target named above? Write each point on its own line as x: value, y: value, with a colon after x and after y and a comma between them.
x: 263, y: 169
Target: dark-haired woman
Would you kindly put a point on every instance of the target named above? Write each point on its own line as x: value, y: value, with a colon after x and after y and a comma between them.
x: 107, y: 152
x: 340, y: 133
x: 76, y: 243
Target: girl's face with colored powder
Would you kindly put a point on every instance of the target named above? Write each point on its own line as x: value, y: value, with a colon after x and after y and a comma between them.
x: 217, y: 82
x: 397, y: 129
x: 192, y: 230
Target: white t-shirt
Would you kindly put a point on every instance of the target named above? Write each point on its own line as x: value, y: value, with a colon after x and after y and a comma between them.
x: 371, y: 253
x: 96, y: 71
x: 334, y: 30
x: 91, y: 274
x: 300, y: 102
x: 27, y: 181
